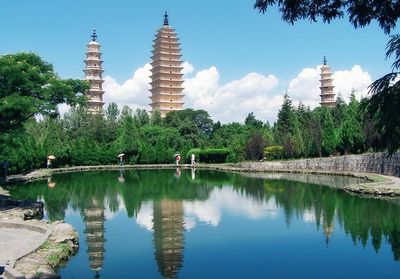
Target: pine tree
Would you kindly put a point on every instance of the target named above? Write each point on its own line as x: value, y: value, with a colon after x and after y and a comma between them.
x: 329, y: 139
x: 351, y: 135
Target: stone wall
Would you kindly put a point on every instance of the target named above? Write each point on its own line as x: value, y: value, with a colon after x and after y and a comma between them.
x: 371, y: 162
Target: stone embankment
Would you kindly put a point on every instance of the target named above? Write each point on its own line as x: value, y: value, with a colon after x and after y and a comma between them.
x: 381, y: 171
x: 378, y: 163
x: 378, y: 169
x: 32, y: 248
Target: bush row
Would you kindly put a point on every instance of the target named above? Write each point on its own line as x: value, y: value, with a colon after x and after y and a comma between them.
x: 214, y: 155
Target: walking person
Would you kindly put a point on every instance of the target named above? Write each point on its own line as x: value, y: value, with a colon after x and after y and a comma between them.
x: 193, y: 159
x: 48, y: 163
x: 177, y: 159
x: 121, y: 159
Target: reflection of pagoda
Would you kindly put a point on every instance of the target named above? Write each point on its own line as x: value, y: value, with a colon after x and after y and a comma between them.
x: 328, y: 231
x: 168, y: 236
x: 94, y: 221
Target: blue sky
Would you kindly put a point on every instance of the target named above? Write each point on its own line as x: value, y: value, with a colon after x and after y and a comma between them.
x: 228, y: 35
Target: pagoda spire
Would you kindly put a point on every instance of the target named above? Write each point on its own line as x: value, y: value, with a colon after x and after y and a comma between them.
x: 94, y: 35
x: 327, y: 94
x: 166, y: 23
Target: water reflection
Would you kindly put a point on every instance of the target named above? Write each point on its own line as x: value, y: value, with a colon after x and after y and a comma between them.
x: 193, y: 172
x: 168, y: 236
x: 94, y: 222
x: 121, y: 177
x: 169, y: 207
x: 50, y: 183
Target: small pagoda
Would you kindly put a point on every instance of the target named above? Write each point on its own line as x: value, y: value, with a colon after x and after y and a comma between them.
x: 93, y: 75
x: 166, y: 78
x: 327, y: 95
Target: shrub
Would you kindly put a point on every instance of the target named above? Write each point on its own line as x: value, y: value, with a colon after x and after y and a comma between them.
x: 209, y: 155
x: 274, y: 152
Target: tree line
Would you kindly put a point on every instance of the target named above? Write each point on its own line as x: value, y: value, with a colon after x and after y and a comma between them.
x: 81, y: 138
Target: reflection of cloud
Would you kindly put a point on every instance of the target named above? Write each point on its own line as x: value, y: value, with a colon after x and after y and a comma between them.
x: 108, y: 214
x: 209, y: 211
x: 145, y: 215
x: 309, y: 216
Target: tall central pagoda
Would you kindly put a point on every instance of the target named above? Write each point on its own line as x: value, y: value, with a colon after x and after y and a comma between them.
x: 166, y: 77
x: 327, y: 95
x: 93, y: 74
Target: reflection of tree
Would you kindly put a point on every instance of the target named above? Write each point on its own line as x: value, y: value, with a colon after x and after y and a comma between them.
x: 168, y: 236
x: 361, y: 218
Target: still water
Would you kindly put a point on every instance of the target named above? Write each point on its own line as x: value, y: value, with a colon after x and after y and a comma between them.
x: 207, y: 224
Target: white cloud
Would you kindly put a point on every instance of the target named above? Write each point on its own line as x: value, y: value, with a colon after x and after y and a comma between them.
x: 254, y: 92
x: 187, y: 68
x: 134, y: 92
x: 346, y: 81
x: 234, y: 100
x: 305, y: 87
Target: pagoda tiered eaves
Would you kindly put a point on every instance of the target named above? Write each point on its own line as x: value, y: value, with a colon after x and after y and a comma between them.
x: 93, y: 74
x: 166, y: 72
x: 327, y: 95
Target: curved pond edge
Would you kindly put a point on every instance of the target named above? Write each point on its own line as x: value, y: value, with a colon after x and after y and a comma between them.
x: 376, y: 184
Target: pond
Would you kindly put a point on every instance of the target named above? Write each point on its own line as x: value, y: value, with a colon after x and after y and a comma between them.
x: 207, y: 224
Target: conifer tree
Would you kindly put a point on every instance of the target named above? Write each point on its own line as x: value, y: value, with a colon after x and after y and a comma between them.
x: 329, y: 139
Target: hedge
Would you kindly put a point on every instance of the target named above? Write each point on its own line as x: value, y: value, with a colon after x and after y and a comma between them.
x: 208, y: 155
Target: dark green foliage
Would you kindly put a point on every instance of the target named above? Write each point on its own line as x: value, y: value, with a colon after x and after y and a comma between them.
x: 382, y: 107
x: 28, y: 86
x: 254, y: 147
x: 329, y: 138
x: 209, y: 155
x: 287, y: 130
x: 253, y: 122
x: 80, y: 138
x: 360, y: 13
x: 351, y: 136
x: 381, y: 110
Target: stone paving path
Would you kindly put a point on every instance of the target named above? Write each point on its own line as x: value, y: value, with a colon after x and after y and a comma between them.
x: 15, y: 243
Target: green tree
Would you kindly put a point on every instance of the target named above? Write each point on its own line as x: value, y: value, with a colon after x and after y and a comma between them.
x: 339, y: 111
x: 254, y: 147
x: 128, y: 141
x: 28, y: 86
x: 288, y: 130
x: 112, y: 112
x: 155, y: 118
x: 382, y: 106
x: 360, y: 13
x: 329, y: 139
x: 251, y: 121
x: 351, y: 136
x: 141, y: 118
